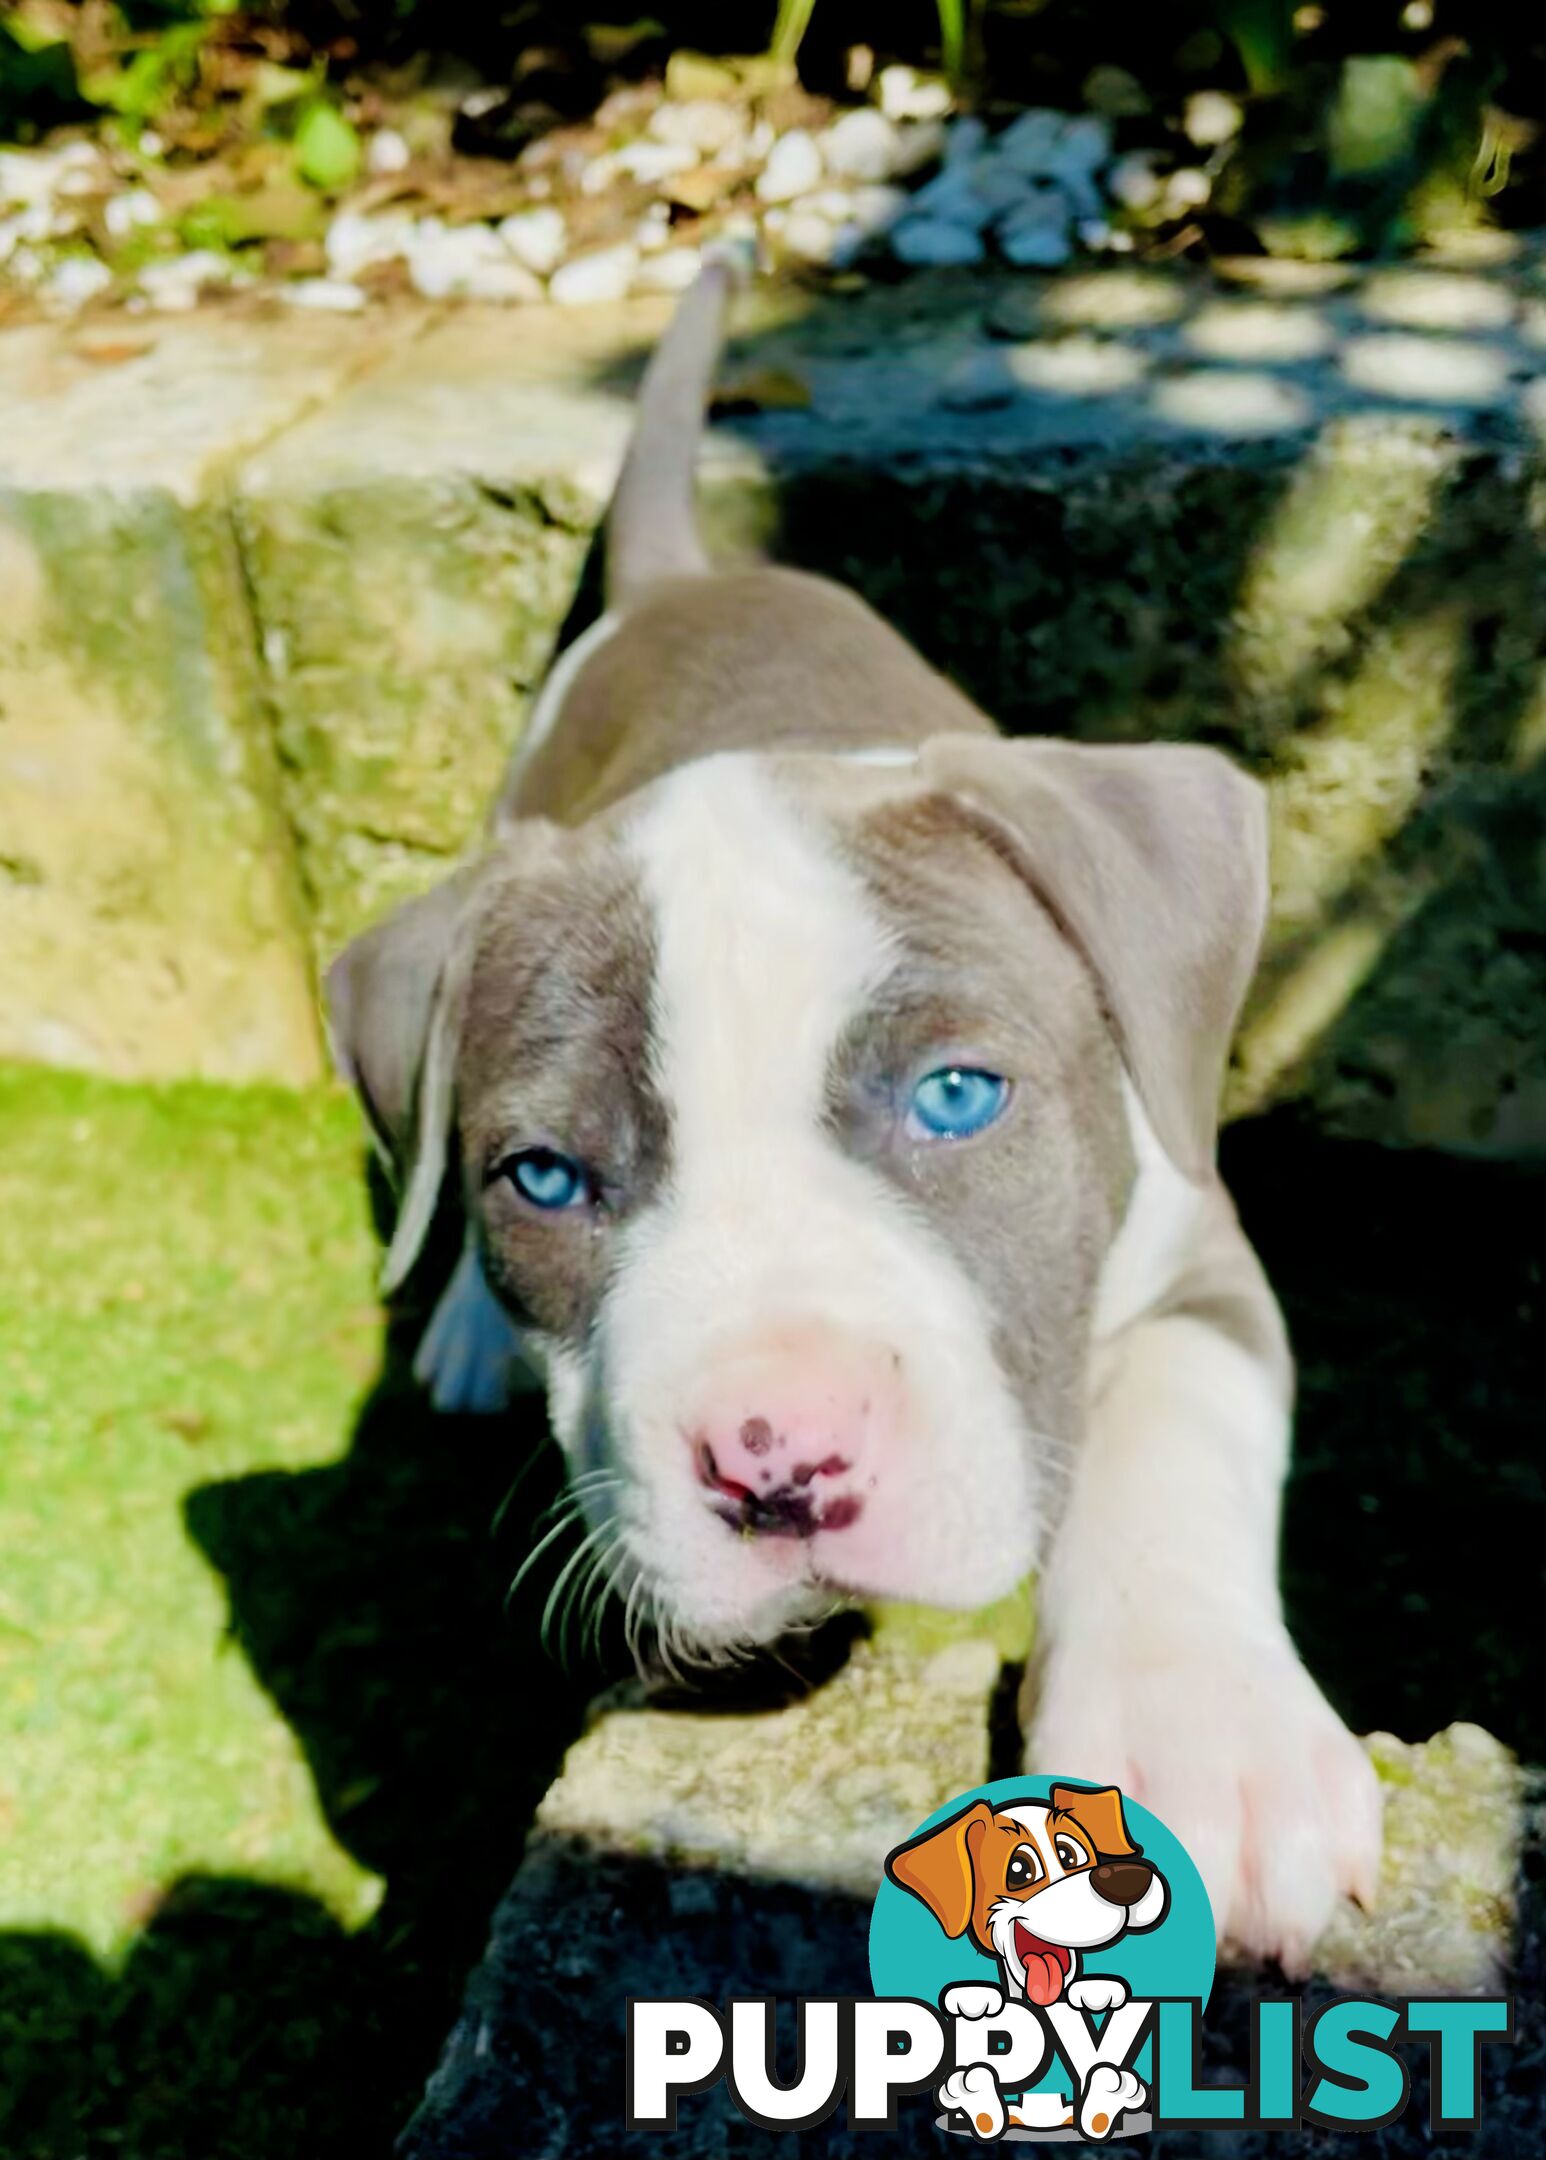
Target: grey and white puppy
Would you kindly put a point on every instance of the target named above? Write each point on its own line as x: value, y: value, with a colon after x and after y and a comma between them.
x: 831, y: 1086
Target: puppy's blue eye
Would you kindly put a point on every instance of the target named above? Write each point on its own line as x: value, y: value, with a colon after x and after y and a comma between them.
x: 546, y: 1178
x: 956, y: 1102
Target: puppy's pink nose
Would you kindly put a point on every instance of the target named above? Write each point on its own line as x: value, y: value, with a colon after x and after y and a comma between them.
x: 788, y: 1440
x: 785, y: 1497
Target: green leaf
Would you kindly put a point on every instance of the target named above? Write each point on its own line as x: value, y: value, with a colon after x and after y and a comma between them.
x: 142, y: 90
x: 952, y: 38
x: 1262, y: 32
x: 790, y: 26
x: 1374, y: 117
x: 327, y: 148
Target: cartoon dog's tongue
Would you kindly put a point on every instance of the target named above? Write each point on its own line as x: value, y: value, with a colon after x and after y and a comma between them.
x: 1044, y: 1964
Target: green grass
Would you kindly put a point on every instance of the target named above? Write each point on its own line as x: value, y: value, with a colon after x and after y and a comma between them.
x: 185, y: 1294
x: 267, y: 1748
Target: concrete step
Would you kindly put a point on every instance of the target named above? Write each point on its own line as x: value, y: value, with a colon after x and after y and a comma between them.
x: 278, y: 593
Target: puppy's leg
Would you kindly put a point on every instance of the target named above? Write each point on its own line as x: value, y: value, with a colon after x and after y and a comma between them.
x: 472, y: 1356
x: 1164, y: 1664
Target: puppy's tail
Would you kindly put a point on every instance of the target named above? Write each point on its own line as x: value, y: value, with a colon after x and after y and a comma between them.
x: 651, y: 529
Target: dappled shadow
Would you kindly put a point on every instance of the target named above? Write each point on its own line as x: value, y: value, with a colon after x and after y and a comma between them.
x: 1350, y: 596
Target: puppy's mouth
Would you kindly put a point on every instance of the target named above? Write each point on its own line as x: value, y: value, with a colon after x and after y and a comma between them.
x: 1044, y: 1964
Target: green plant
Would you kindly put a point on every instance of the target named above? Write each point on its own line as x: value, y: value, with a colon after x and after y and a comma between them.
x: 154, y: 76
x: 789, y: 27
x: 955, y: 24
x: 38, y: 86
x: 327, y: 146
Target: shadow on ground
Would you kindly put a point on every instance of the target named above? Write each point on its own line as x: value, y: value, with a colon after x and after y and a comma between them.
x: 368, y: 1597
x: 245, y: 2023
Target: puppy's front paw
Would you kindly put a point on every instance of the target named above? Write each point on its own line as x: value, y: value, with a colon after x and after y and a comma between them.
x: 1108, y: 2096
x: 1235, y: 1748
x: 1097, y: 1991
x: 972, y: 1999
x: 974, y: 2093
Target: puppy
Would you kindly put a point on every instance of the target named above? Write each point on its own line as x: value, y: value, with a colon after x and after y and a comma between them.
x: 829, y: 1087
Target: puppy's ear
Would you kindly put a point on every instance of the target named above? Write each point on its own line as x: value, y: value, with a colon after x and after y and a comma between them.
x: 1099, y: 1815
x: 1153, y: 861
x: 938, y: 1867
x: 394, y: 1006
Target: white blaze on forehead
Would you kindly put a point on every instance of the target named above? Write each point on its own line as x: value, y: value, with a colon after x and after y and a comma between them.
x: 767, y: 945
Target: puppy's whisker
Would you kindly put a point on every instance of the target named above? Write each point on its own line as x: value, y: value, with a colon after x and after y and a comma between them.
x: 565, y: 1523
x: 602, y: 1586
x: 551, y: 1638
x: 600, y: 1546
x: 538, y: 1454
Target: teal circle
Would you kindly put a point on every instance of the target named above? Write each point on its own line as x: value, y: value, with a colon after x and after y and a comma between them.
x: 910, y: 1954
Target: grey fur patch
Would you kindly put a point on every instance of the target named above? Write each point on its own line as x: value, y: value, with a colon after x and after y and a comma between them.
x: 555, y: 1052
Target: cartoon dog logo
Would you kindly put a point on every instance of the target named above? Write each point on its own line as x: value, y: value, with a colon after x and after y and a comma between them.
x: 1037, y: 1885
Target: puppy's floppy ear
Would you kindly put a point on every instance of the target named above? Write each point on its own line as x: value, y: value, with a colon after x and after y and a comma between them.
x: 1100, y: 1815
x: 394, y: 1005
x: 1153, y: 860
x: 938, y: 1867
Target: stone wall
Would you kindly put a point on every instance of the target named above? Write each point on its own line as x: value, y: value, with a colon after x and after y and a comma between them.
x: 276, y: 595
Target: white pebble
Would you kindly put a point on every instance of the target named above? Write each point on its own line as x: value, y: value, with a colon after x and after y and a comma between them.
x: 671, y: 271
x: 1211, y: 117
x: 793, y: 168
x: 650, y: 162
x: 877, y: 208
x: 27, y: 176
x: 466, y: 262
x: 928, y: 240
x: 905, y: 95
x: 862, y: 145
x: 536, y: 238
x: 130, y: 212
x: 707, y: 125
x: 597, y: 174
x: 175, y: 286
x: 505, y: 282
x: 28, y: 267
x: 1188, y: 188
x: 605, y: 274
x: 1133, y: 182
x: 76, y: 280
x: 355, y: 242
x: 387, y: 151
x: 326, y: 296
x: 805, y: 234
x: 918, y: 143
x: 833, y: 203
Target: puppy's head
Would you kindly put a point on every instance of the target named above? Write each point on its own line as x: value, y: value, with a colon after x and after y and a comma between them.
x: 1033, y: 1884
x: 789, y: 1099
